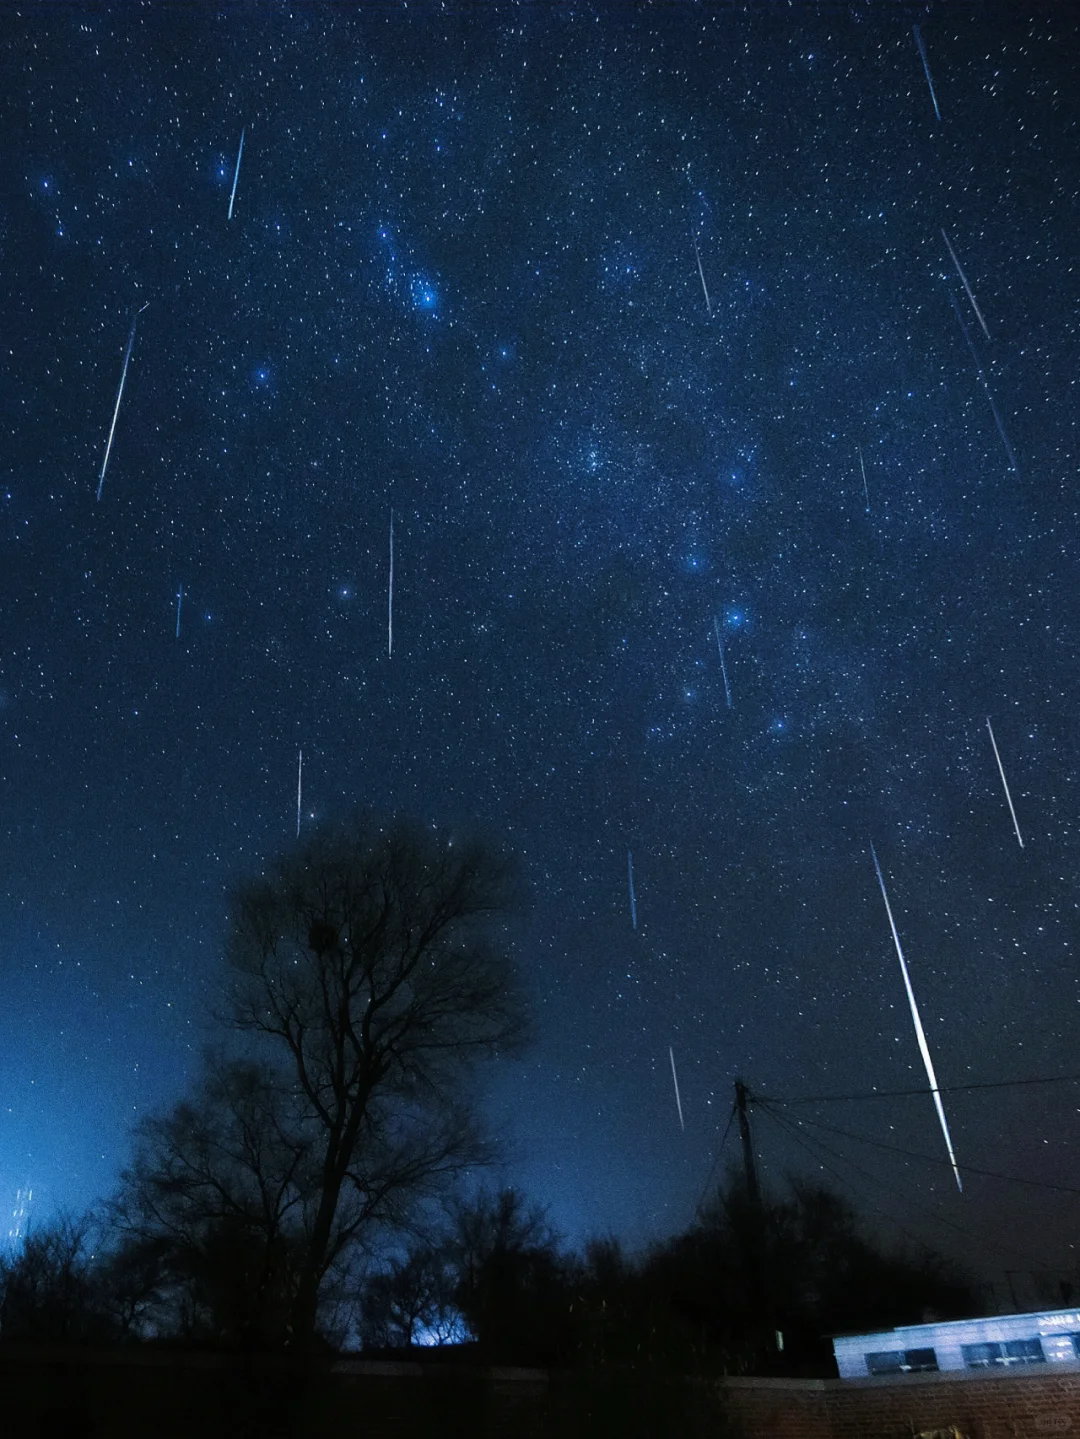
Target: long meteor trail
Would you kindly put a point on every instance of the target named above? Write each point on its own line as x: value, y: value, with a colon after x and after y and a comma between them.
x: 919, y: 1035
x: 390, y: 595
x: 866, y: 491
x: 986, y: 388
x: 299, y: 790
x: 967, y: 287
x: 119, y: 397
x: 701, y: 272
x: 926, y: 67
x: 630, y: 877
x: 675, y: 1077
x: 1004, y: 782
x: 723, y: 666
x: 236, y: 174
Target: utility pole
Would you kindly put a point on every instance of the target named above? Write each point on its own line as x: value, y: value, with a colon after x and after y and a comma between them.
x: 756, y: 1239
x: 753, y: 1189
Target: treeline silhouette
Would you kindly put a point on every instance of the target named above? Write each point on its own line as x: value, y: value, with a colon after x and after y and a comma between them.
x: 307, y: 1196
x: 746, y: 1289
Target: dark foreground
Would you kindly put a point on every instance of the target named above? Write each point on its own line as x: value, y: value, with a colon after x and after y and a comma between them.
x: 130, y: 1393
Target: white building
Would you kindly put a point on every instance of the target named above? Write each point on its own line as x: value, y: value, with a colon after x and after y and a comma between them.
x: 1005, y: 1341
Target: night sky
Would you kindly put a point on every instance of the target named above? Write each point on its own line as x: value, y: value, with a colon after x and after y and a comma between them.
x: 461, y: 286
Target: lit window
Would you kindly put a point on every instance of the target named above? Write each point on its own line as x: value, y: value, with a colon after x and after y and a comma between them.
x: 902, y: 1361
x: 1024, y: 1351
x: 1012, y: 1351
x: 981, y: 1356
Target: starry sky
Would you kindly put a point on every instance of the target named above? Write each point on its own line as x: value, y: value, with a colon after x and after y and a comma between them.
x: 643, y: 325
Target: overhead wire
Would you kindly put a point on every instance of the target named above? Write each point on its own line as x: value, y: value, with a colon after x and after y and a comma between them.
x: 934, y: 1159
x: 767, y: 1104
x: 806, y: 1141
x: 716, y: 1161
x: 981, y: 1241
x: 922, y: 1091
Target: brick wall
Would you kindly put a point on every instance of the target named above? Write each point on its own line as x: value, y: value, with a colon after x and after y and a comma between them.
x: 127, y: 1394
x: 778, y: 1408
x: 1013, y: 1405
x: 1006, y: 1406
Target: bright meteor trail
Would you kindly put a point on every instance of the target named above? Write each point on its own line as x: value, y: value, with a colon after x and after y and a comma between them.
x: 967, y: 287
x: 926, y: 67
x: 390, y: 594
x: 919, y: 1035
x: 675, y: 1077
x: 1005, y: 782
x: 119, y: 396
x: 701, y: 272
x: 236, y: 175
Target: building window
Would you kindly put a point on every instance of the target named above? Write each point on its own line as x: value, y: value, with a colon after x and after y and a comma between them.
x: 981, y: 1356
x: 1011, y: 1351
x: 902, y: 1361
x: 1024, y: 1351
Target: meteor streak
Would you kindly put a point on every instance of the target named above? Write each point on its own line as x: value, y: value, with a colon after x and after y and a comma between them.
x: 1004, y: 782
x: 967, y: 287
x: 390, y: 597
x: 675, y: 1077
x: 982, y: 381
x: 723, y: 666
x: 630, y: 876
x: 119, y: 396
x: 866, y: 492
x: 926, y: 67
x: 299, y: 790
x: 179, y: 602
x: 919, y: 1035
x: 701, y: 272
x: 236, y: 175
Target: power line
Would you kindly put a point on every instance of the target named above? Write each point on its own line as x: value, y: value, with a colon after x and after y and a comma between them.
x: 933, y: 1159
x: 805, y: 1141
x: 923, y: 1091
x: 716, y: 1161
x: 979, y: 1240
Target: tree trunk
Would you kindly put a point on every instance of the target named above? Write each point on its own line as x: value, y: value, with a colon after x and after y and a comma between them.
x: 306, y: 1303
